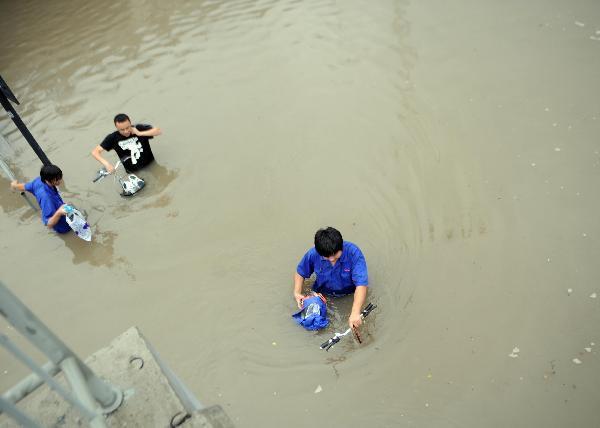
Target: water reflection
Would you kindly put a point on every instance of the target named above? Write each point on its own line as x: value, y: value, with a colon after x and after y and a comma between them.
x: 158, y: 177
x: 99, y: 252
x: 154, y: 194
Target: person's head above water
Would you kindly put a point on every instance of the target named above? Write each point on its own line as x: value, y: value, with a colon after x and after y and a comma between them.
x: 123, y: 124
x: 329, y: 243
x: 51, y: 174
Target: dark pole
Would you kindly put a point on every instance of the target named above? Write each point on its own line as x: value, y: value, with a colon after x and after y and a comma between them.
x: 6, y: 96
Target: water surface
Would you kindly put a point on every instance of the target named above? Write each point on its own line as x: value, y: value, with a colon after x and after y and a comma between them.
x: 456, y: 145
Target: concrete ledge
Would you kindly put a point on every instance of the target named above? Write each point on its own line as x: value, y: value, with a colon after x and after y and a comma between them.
x: 149, y: 399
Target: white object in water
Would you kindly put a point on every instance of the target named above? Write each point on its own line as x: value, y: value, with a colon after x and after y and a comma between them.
x: 130, y: 183
x: 77, y: 222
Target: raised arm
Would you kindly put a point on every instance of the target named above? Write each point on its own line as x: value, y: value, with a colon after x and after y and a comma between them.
x: 152, y: 132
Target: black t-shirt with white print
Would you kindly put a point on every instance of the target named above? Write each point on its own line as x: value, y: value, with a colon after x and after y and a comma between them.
x: 134, y: 151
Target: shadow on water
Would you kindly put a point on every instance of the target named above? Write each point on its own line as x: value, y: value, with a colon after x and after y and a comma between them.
x: 158, y: 178
x: 153, y: 195
x: 99, y: 252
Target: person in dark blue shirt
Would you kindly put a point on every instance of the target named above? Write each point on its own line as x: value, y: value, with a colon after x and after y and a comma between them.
x: 340, y: 268
x: 45, y: 190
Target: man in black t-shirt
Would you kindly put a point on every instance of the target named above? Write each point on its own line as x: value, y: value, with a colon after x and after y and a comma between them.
x: 131, y: 142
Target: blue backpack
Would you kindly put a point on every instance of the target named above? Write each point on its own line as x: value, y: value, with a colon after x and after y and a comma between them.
x: 313, y: 315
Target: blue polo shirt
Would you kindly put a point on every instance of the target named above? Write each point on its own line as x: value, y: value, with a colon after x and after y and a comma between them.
x: 49, y: 201
x: 342, y: 278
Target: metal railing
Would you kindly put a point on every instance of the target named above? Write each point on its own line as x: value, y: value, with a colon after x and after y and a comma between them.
x: 90, y: 395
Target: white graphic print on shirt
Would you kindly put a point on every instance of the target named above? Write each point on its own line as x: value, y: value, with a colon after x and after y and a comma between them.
x: 134, y: 146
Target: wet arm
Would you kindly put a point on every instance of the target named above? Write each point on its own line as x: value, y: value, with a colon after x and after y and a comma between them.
x: 96, y: 153
x: 298, y: 283
x: 360, y: 295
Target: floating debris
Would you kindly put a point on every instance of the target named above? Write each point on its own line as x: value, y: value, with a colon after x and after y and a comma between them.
x: 546, y: 109
x: 318, y: 389
x: 555, y: 124
x: 579, y: 24
x: 584, y: 234
x: 588, y: 349
x: 576, y: 360
x: 593, y: 295
x: 557, y: 149
x: 514, y: 353
x: 532, y: 163
x: 569, y: 291
x: 595, y: 38
x: 274, y: 343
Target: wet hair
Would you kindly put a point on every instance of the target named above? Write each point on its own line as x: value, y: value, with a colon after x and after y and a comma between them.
x: 50, y: 173
x: 121, y: 117
x: 328, y: 241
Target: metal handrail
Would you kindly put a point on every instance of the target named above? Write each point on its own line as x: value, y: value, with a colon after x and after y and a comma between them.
x: 90, y: 395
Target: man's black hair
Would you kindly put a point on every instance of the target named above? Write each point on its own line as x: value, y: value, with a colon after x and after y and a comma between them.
x: 50, y: 173
x: 328, y: 241
x: 121, y: 117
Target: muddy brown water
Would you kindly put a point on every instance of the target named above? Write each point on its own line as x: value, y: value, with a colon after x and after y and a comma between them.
x: 457, y: 145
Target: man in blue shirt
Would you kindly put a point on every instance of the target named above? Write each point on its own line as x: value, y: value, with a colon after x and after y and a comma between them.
x: 340, y: 268
x: 45, y: 192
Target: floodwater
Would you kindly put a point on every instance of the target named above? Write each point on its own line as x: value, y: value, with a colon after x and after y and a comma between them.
x: 457, y: 145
